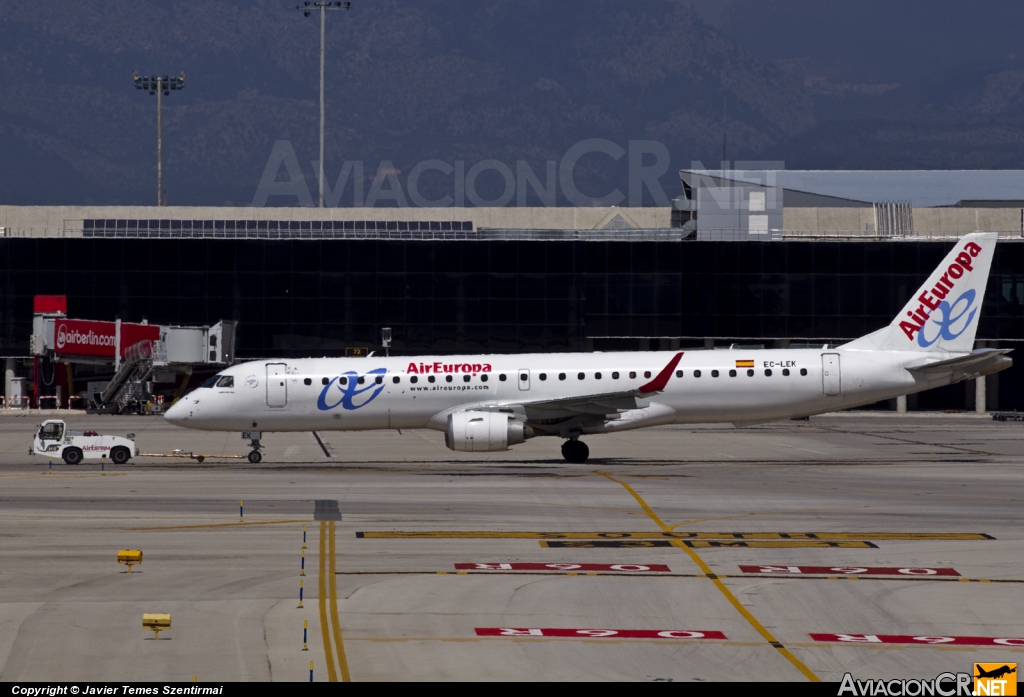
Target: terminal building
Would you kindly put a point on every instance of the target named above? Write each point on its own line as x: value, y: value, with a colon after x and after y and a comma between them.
x: 742, y: 258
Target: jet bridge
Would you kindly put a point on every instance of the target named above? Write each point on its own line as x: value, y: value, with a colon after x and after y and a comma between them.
x: 136, y: 354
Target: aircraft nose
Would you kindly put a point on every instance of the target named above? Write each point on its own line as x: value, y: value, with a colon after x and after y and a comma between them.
x: 177, y: 413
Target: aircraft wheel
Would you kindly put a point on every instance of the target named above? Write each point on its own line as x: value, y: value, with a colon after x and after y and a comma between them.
x: 72, y: 456
x: 575, y: 451
x: 120, y: 455
x: 255, y: 457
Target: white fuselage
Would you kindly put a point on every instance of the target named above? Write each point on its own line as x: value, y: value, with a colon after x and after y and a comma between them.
x: 419, y: 392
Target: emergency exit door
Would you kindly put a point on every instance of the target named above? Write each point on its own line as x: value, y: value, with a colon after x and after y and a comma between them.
x: 524, y: 380
x: 277, y: 385
x: 831, y: 383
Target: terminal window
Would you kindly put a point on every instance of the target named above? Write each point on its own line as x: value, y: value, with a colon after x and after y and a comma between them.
x: 267, y: 229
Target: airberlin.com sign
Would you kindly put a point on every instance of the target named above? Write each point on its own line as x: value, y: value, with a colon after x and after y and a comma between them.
x: 83, y: 338
x: 78, y: 337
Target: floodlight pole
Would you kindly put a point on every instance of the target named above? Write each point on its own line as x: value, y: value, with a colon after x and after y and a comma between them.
x: 323, y: 34
x: 159, y: 144
x: 156, y: 84
x: 323, y: 6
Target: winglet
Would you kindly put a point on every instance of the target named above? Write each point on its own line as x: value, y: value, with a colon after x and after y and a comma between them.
x: 658, y: 384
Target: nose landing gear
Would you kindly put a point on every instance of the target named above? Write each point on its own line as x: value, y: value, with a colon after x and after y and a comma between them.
x: 575, y: 451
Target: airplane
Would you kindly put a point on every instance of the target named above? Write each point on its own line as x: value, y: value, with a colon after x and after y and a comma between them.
x: 995, y: 673
x: 487, y: 403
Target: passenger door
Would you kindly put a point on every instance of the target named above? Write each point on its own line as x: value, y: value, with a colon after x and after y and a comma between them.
x: 277, y: 385
x: 524, y: 380
x: 831, y: 383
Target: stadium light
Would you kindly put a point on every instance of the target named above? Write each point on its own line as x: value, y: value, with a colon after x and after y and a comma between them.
x: 308, y: 8
x: 161, y: 86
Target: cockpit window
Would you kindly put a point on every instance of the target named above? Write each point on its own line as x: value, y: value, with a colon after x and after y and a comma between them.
x: 226, y: 381
x: 212, y: 381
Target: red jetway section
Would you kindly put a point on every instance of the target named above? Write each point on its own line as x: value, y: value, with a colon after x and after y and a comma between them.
x: 80, y: 337
x: 138, y: 354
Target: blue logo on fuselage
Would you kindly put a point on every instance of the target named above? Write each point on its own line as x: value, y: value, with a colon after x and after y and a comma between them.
x: 960, y: 307
x: 351, y: 391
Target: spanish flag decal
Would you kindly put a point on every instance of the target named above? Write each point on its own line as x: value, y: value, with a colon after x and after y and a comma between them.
x: 744, y: 364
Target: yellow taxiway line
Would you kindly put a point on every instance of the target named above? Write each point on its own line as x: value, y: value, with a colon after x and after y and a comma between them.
x: 775, y: 643
x: 325, y: 630
x: 335, y: 622
x: 219, y: 525
x: 328, y: 595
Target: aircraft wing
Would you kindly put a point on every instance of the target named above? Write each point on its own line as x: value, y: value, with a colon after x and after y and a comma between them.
x: 978, y: 362
x: 598, y: 404
x: 601, y: 403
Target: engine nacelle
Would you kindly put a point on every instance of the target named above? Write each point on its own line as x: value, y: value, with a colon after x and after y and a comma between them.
x: 484, y: 432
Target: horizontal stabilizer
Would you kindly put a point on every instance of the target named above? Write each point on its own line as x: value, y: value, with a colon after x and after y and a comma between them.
x: 979, y: 362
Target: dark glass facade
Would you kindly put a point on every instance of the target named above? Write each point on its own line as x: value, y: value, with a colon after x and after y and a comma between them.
x: 316, y: 297
x: 262, y: 229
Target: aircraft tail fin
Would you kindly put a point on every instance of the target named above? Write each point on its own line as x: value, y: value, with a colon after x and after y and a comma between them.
x: 943, y: 314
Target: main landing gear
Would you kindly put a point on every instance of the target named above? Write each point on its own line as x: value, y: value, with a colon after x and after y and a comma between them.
x: 255, y: 457
x: 575, y: 451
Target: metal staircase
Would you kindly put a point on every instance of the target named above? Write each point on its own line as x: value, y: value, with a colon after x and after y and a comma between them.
x: 129, y: 383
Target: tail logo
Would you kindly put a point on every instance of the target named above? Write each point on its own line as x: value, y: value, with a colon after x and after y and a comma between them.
x: 931, y: 302
x: 951, y: 314
x: 350, y: 390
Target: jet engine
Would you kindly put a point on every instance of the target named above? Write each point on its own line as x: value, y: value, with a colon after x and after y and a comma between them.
x: 484, y: 432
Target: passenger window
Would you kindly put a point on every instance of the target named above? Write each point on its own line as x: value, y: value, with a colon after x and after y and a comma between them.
x: 361, y: 380
x: 785, y: 372
x: 803, y: 371
x: 483, y: 378
x: 632, y: 375
x: 396, y: 379
x: 732, y: 373
x: 226, y: 381
x: 696, y: 373
x: 447, y: 378
x: 714, y: 373
x: 647, y: 373
x: 679, y: 373
x: 615, y: 376
x: 325, y: 381
x: 580, y: 376
x: 465, y: 378
x: 431, y: 378
x: 414, y: 379
x: 307, y: 381
x: 502, y: 377
x: 768, y: 372
x: 561, y: 376
x: 750, y: 373
x: 543, y: 376
x: 597, y: 376
x: 342, y: 381
x: 379, y: 380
